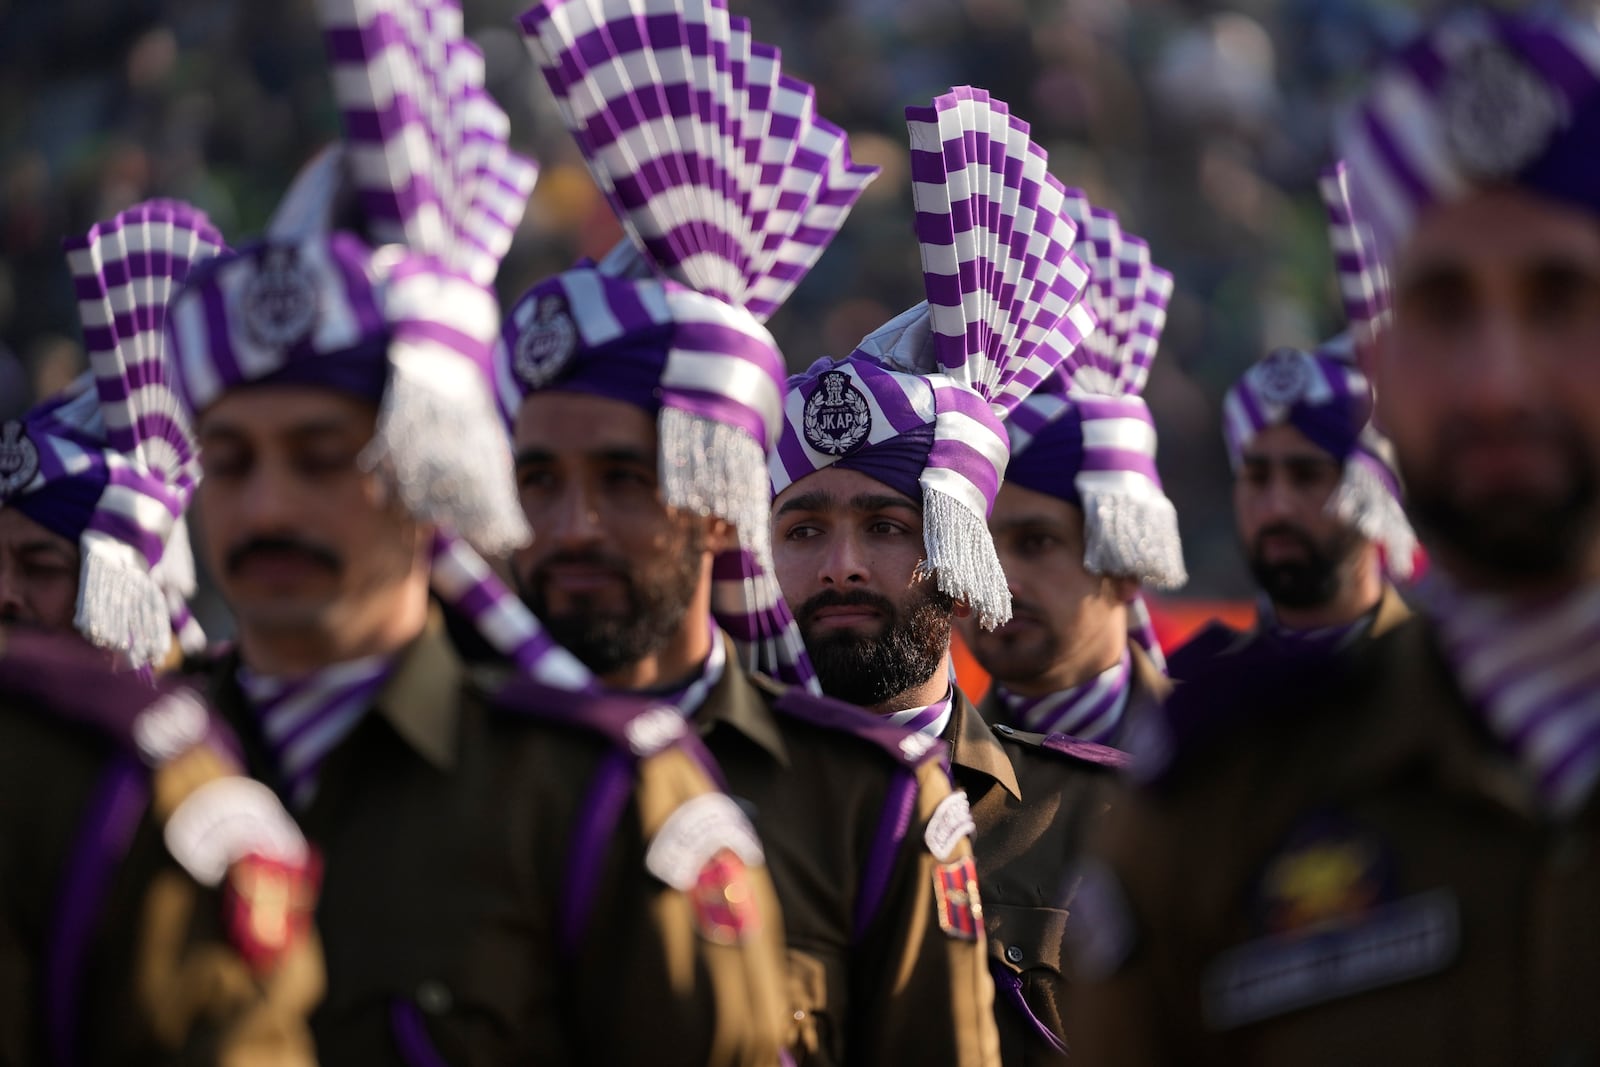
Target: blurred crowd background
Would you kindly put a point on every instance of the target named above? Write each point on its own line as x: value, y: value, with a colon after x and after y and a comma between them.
x: 1202, y: 124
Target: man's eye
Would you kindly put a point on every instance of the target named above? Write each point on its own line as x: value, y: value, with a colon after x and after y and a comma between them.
x: 535, y: 480
x: 884, y: 526
x: 800, y: 532
x: 1035, y: 544
x: 629, y: 478
x: 223, y: 465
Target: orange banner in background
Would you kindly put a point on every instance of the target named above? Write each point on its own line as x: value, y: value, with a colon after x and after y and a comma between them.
x: 1175, y: 620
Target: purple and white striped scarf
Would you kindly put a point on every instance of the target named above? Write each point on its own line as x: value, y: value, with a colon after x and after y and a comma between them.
x: 1319, y: 640
x: 1530, y: 670
x: 304, y: 719
x: 1482, y: 99
x: 729, y: 186
x: 691, y: 696
x: 931, y: 721
x: 1090, y: 712
x: 919, y: 404
x: 111, y: 463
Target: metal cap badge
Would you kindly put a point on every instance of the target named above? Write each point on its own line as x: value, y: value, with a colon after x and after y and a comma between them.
x: 545, y: 348
x: 280, y: 305
x: 837, y: 418
x: 19, y: 459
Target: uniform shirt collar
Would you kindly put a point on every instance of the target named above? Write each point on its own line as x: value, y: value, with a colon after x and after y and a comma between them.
x: 738, y: 700
x: 974, y: 746
x: 420, y: 699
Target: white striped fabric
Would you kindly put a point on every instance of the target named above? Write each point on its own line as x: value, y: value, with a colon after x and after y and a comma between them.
x: 1530, y: 670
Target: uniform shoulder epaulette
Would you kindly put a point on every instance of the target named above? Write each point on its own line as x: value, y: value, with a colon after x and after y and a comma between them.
x: 1213, y: 709
x: 64, y: 680
x: 641, y: 726
x: 1214, y: 639
x: 902, y: 745
x: 1065, y: 745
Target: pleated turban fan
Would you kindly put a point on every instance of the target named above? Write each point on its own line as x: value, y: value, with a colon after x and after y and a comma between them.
x: 1324, y: 394
x: 729, y: 187
x: 402, y: 314
x: 110, y: 464
x: 920, y: 404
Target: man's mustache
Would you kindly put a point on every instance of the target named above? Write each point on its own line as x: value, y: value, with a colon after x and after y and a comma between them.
x: 831, y: 598
x: 1284, y: 529
x: 282, y: 546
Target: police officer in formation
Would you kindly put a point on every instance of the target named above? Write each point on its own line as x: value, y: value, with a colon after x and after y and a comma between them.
x: 1390, y: 856
x: 644, y: 396
x: 495, y: 835
x: 1317, y: 499
x: 659, y: 818
x: 885, y: 476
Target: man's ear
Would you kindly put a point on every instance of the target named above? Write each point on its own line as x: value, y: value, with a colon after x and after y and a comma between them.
x: 962, y: 609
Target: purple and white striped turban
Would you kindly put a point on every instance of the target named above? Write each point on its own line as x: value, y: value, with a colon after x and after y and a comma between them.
x: 110, y: 464
x: 1324, y: 395
x: 730, y: 187
x: 405, y: 315
x: 1483, y: 99
x: 1086, y: 436
x: 919, y: 404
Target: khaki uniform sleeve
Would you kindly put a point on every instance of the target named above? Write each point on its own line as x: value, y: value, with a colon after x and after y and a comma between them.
x: 1125, y: 1004
x: 922, y: 993
x: 654, y: 985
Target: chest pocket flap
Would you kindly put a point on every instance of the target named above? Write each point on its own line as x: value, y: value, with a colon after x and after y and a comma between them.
x: 1024, y: 938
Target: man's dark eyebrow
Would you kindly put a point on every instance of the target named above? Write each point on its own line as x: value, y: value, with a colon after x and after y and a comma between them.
x: 1431, y: 274
x: 322, y: 427
x: 617, y: 454
x: 33, y: 548
x: 882, y: 502
x: 1024, y: 522
x: 816, y: 500
x: 1318, y: 458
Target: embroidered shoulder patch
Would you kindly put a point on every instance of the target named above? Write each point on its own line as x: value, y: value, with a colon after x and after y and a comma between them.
x: 694, y: 833
x: 951, y: 821
x: 955, y: 891
x: 1408, y: 938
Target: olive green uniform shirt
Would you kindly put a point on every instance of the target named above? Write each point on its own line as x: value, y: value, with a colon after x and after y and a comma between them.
x: 900, y: 989
x: 1033, y: 801
x: 1344, y: 867
x: 448, y: 827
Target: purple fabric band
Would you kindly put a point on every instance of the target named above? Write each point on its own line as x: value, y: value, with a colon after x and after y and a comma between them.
x: 897, y: 462
x: 66, y: 505
x: 1009, y: 984
x: 104, y: 837
x: 1051, y: 461
x: 411, y: 1036
x: 893, y: 826
x: 586, y: 854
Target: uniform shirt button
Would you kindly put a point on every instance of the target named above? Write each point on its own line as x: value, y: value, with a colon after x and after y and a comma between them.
x: 433, y: 997
x: 1014, y: 954
x: 799, y: 1016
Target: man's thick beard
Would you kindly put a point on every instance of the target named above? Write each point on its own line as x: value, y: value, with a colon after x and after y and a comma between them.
x: 1309, y: 583
x: 871, y: 672
x: 1512, y: 539
x: 657, y: 604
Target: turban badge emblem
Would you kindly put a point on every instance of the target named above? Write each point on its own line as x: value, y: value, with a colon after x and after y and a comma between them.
x: 837, y: 418
x: 19, y: 460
